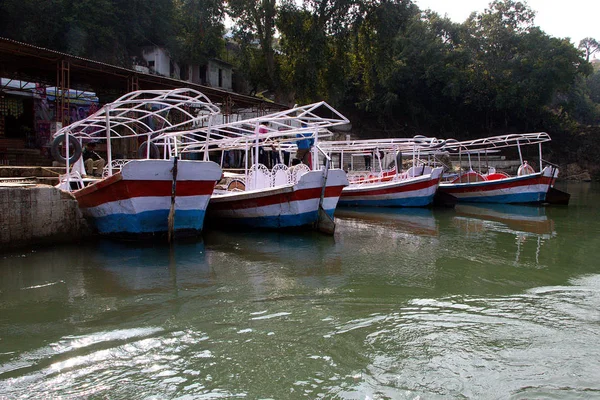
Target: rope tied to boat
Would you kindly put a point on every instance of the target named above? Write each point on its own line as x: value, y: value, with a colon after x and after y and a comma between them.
x: 171, y: 219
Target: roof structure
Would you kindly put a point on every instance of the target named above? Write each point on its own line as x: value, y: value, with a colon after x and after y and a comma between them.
x: 31, y: 63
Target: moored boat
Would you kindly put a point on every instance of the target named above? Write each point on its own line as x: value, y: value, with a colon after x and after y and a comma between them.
x: 145, y: 196
x: 528, y: 186
x: 417, y: 191
x: 378, y: 186
x: 293, y: 204
x: 137, y: 199
x: 283, y: 196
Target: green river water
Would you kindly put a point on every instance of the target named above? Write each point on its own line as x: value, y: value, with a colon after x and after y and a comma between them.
x: 478, y: 302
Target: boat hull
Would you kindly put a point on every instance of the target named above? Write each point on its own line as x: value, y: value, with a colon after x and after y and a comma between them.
x: 413, y: 192
x: 137, y: 200
x: 528, y: 189
x: 284, y: 206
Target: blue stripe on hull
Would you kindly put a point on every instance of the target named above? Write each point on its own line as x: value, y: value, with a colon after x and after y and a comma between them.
x: 273, y: 222
x: 518, y: 198
x: 149, y: 222
x: 422, y: 201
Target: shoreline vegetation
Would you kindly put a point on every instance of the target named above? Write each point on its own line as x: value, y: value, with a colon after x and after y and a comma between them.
x: 392, y: 68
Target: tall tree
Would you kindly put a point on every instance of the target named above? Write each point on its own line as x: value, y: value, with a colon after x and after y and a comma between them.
x: 590, y: 46
x: 255, y: 21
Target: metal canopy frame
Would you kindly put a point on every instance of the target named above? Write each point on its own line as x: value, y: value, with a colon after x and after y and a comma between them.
x: 496, y: 142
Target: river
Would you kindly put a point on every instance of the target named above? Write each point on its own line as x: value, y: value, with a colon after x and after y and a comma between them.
x: 476, y: 302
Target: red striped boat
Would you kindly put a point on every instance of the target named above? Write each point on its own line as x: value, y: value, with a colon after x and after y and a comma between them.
x: 137, y: 199
x: 284, y: 206
x: 286, y: 196
x: 145, y: 196
x: 527, y: 187
x: 378, y: 186
x: 409, y: 191
x: 531, y: 188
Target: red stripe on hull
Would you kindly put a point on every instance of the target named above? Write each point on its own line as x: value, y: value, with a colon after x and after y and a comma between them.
x: 397, y: 189
x: 280, y: 198
x: 495, y: 185
x: 115, y: 188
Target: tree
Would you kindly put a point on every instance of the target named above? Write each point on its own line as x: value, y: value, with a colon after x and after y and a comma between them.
x: 255, y: 21
x: 33, y: 22
x: 199, y: 29
x: 590, y: 46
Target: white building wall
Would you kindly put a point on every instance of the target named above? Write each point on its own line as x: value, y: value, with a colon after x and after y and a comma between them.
x: 161, y: 60
x: 213, y: 75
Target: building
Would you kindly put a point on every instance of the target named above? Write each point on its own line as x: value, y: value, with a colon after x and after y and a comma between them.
x: 43, y: 89
x: 216, y: 73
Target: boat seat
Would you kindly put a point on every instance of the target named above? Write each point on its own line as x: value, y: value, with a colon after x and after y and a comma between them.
x: 279, y: 174
x: 468, y: 177
x: 259, y: 177
x: 236, y: 185
x: 525, y: 169
x: 296, y: 172
x: 496, y: 176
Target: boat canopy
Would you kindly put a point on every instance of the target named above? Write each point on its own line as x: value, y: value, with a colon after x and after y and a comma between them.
x: 415, y: 144
x: 152, y: 113
x: 282, y: 129
x: 495, y: 142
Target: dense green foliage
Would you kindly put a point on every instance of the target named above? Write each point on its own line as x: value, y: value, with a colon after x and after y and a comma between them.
x: 395, y: 69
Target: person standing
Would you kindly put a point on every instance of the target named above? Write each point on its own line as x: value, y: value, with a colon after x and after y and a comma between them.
x: 304, y: 146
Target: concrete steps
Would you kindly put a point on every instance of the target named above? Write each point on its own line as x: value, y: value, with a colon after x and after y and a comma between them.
x: 13, y: 152
x: 42, y: 174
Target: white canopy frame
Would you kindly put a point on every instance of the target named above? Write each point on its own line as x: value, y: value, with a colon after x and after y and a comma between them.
x: 158, y: 115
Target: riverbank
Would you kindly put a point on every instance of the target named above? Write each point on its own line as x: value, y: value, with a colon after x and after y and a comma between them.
x: 32, y: 213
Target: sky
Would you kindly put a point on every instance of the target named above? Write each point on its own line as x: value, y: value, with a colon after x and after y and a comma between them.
x: 576, y: 19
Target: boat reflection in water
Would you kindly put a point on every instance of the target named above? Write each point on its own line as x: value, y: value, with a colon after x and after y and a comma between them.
x: 524, y: 222
x: 401, y: 244
x: 153, y: 267
x: 301, y: 253
x: 416, y: 221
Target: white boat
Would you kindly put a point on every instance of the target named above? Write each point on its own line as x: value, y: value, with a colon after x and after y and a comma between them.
x: 385, y: 184
x: 144, y: 196
x: 529, y: 186
x: 283, y: 196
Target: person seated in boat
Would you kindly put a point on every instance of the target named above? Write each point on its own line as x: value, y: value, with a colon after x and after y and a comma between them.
x: 94, y: 163
x: 367, y: 162
x: 398, y: 161
x: 304, y: 146
x: 446, y: 162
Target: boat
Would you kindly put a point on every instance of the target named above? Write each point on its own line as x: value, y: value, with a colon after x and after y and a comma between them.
x: 488, y: 185
x: 386, y: 184
x: 154, y: 193
x: 282, y: 195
